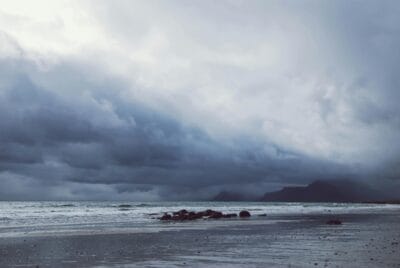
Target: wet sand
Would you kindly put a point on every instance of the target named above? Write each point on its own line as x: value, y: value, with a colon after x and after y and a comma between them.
x: 293, y: 241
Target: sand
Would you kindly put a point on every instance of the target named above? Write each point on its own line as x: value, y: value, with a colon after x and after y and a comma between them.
x: 292, y: 241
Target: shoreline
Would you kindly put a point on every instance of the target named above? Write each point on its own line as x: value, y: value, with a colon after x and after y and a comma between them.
x: 303, y: 241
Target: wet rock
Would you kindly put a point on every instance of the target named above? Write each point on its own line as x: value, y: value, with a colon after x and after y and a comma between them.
x: 201, y: 214
x: 180, y: 212
x: 244, y: 214
x: 166, y: 217
x: 194, y: 216
x: 184, y: 215
x: 177, y: 217
x: 209, y: 212
x: 334, y: 222
x: 230, y: 215
x: 216, y: 215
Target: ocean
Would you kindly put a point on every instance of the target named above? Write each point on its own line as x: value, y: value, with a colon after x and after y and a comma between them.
x: 46, y: 218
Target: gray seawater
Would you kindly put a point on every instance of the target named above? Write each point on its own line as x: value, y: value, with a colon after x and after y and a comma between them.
x: 48, y: 218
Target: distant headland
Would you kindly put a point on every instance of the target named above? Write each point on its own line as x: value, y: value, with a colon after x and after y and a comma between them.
x: 336, y: 191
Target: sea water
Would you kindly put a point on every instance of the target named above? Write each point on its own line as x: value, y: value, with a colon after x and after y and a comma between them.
x: 49, y: 218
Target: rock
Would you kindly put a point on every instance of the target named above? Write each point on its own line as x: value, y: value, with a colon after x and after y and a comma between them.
x: 184, y: 215
x: 216, y: 215
x: 201, y: 214
x: 209, y: 212
x: 180, y: 212
x: 244, y: 214
x: 262, y: 215
x: 194, y: 216
x: 334, y: 222
x: 166, y: 217
x: 230, y: 215
x: 177, y: 217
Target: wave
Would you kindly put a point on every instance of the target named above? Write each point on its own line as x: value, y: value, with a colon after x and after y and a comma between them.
x: 138, y: 205
x: 124, y: 206
x: 63, y: 206
x: 144, y: 205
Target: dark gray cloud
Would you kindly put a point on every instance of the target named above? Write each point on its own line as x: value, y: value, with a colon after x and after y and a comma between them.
x: 202, y: 97
x: 50, y: 141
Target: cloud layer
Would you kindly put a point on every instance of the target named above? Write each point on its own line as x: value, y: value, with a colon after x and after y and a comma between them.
x: 171, y: 100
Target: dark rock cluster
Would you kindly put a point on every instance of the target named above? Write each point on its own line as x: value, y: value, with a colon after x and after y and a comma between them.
x: 244, y: 214
x: 334, y: 222
x: 184, y: 215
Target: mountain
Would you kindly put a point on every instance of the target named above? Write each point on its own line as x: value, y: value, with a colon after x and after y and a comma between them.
x: 325, y: 191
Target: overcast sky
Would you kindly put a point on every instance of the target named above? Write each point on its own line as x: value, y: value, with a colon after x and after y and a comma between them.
x: 163, y: 100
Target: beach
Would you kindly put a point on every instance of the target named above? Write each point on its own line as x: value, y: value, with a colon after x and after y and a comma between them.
x: 367, y: 237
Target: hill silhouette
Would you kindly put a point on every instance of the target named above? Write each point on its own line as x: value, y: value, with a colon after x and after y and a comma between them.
x: 325, y: 191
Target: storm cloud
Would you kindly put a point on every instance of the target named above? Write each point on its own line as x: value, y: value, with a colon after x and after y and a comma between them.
x: 173, y: 100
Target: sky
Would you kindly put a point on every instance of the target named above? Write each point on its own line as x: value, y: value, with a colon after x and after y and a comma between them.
x: 178, y: 100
